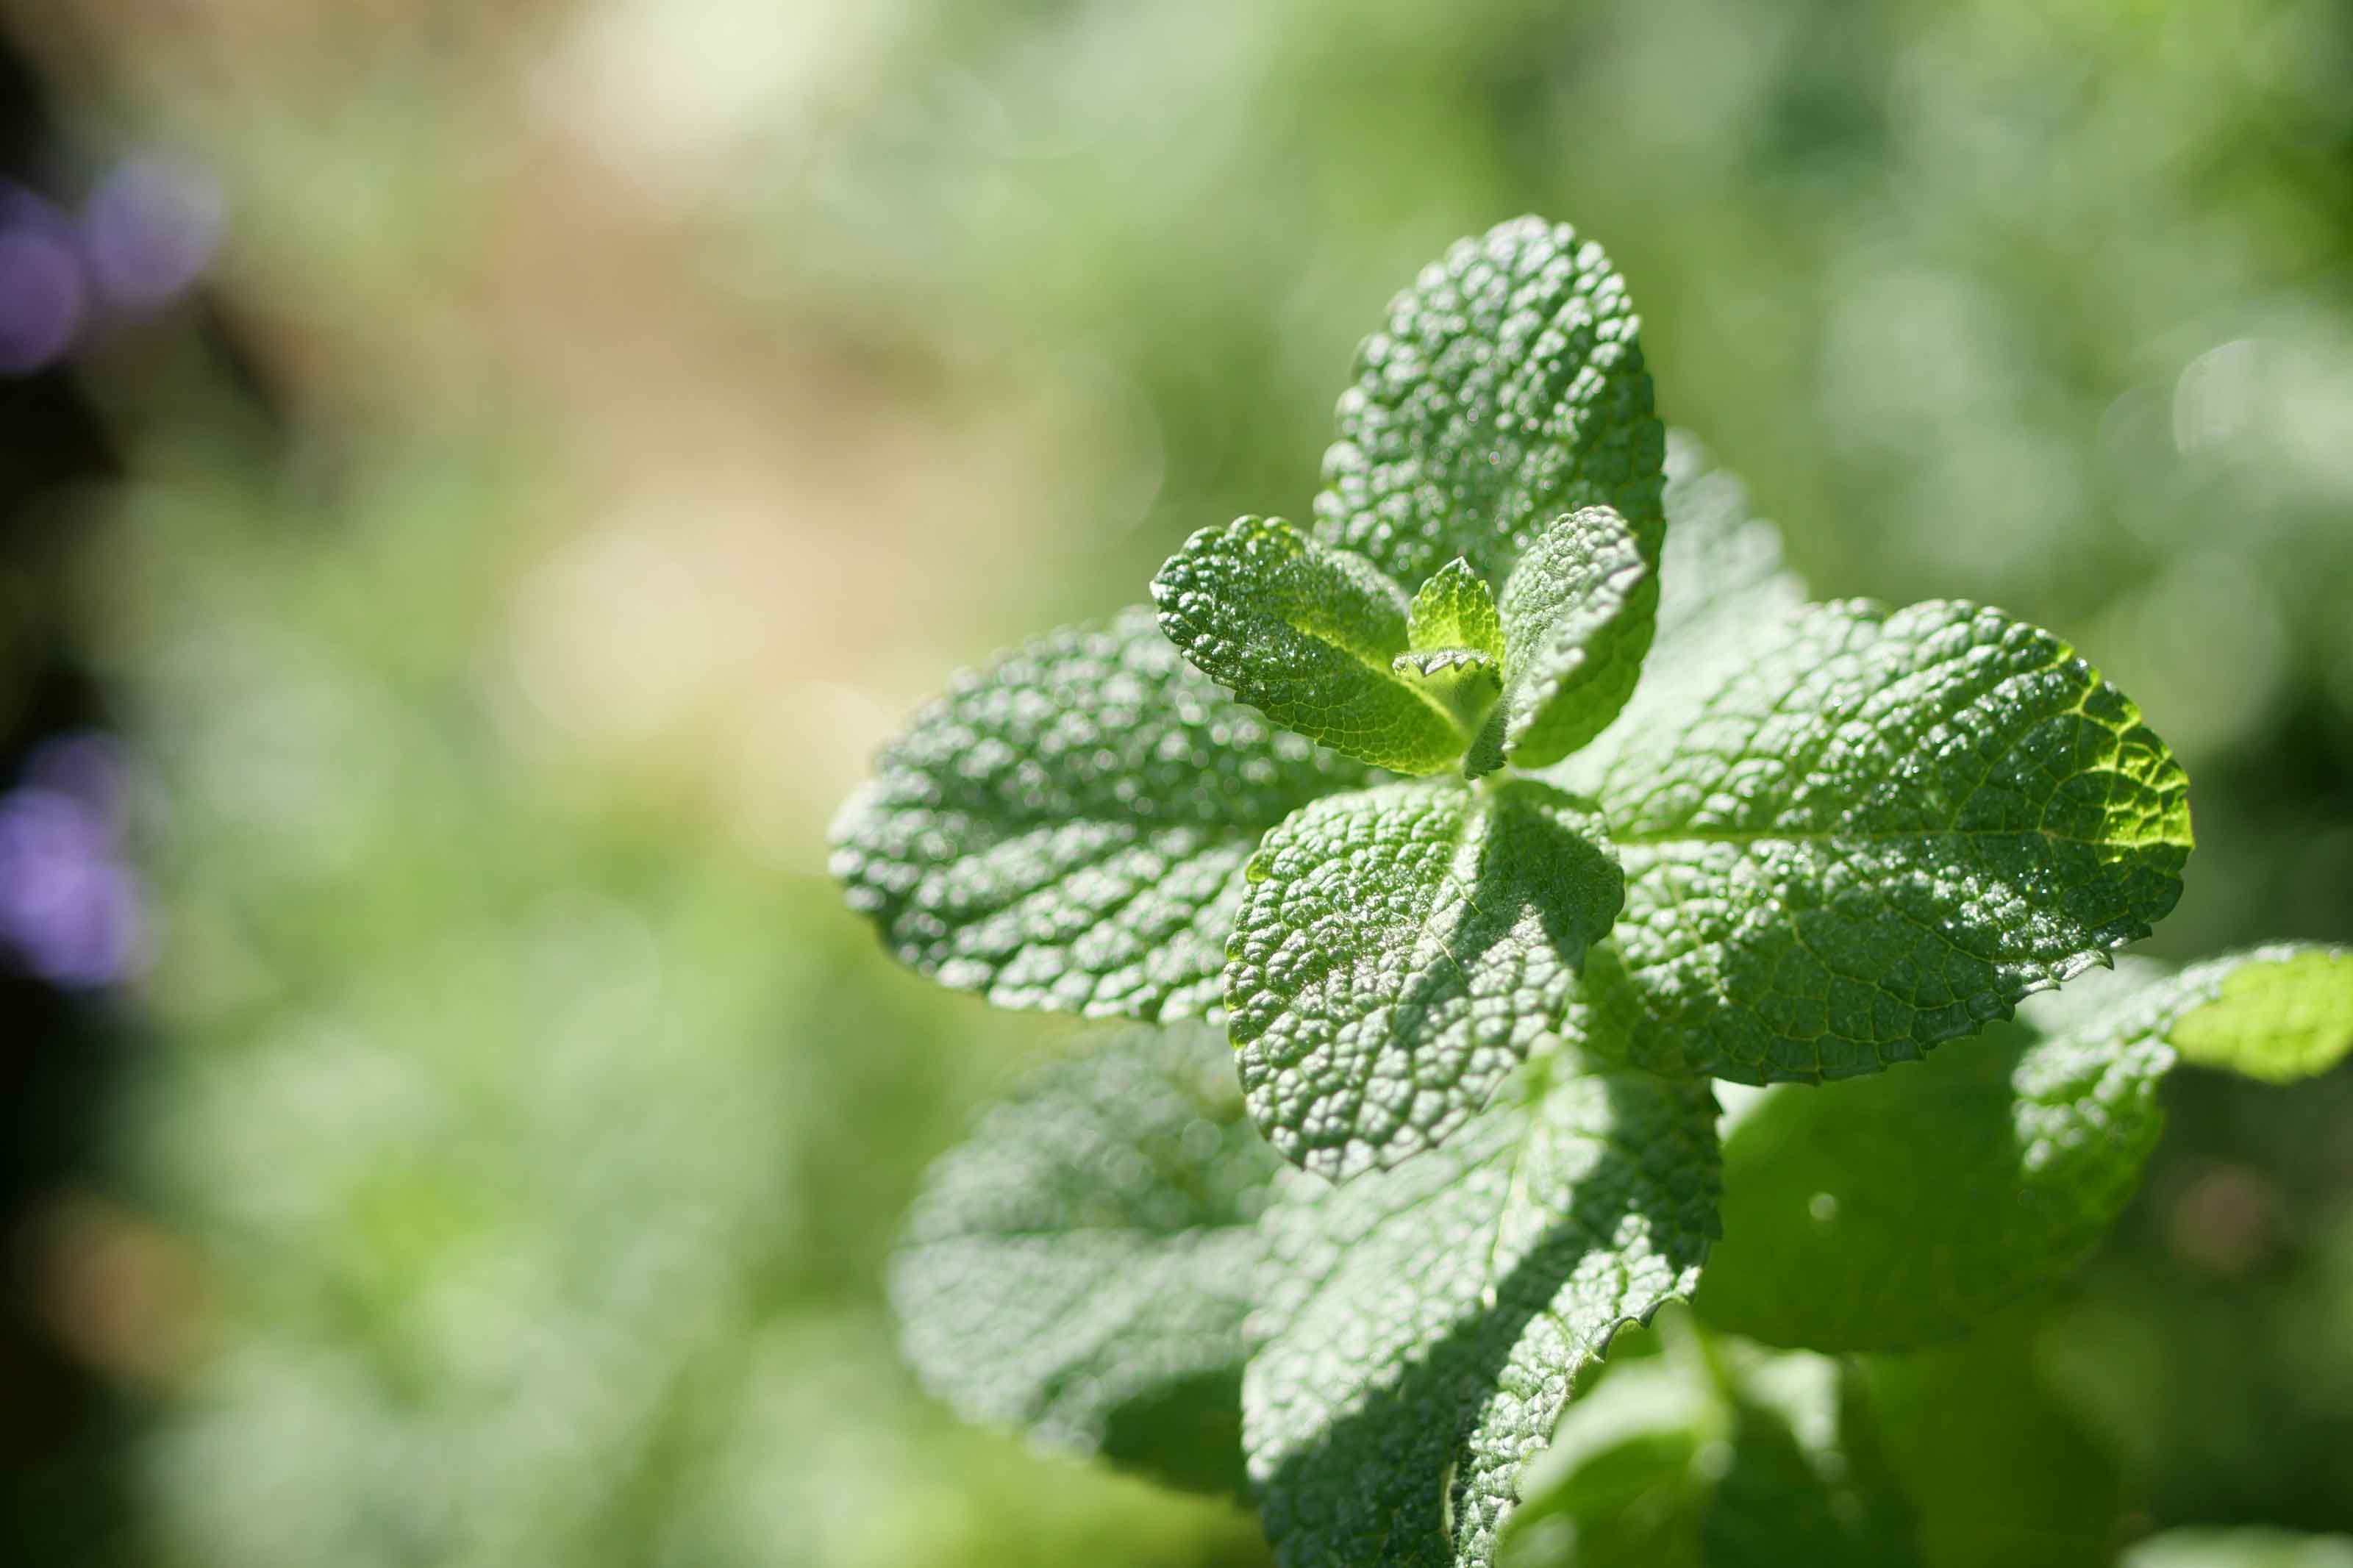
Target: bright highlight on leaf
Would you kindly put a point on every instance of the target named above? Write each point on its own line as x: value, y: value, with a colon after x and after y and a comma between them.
x: 1577, y: 615
x: 1400, y: 951
x: 1456, y: 609
x: 1850, y: 836
x: 1309, y: 635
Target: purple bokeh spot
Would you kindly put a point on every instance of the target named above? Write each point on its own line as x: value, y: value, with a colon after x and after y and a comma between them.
x: 69, y: 905
x: 41, y: 297
x: 148, y: 231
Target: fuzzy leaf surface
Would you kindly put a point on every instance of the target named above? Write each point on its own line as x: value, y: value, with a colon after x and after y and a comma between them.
x: 1308, y: 633
x: 1577, y: 615
x: 1066, y: 828
x: 1081, y: 1266
x: 1507, y: 388
x: 1900, y: 1212
x: 1455, y: 608
x: 1400, y: 950
x: 1422, y: 1326
x: 1851, y: 834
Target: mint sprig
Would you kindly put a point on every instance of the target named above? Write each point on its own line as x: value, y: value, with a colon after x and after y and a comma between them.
x: 1494, y: 819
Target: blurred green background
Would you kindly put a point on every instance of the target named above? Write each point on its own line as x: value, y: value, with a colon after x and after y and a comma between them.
x: 584, y: 428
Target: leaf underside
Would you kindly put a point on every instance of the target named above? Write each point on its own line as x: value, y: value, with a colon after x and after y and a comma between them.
x: 1576, y: 616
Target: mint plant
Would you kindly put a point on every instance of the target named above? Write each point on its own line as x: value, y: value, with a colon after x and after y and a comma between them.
x: 1491, y: 818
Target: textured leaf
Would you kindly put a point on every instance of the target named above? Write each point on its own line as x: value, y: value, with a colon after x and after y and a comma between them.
x: 1400, y: 950
x: 1422, y: 1326
x: 1507, y: 389
x: 1577, y: 615
x: 1079, y: 1269
x: 1848, y: 836
x: 1067, y: 827
x: 1455, y: 608
x: 1900, y: 1212
x: 1310, y: 634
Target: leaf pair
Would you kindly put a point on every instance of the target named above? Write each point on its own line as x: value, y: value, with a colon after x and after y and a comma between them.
x: 1316, y: 638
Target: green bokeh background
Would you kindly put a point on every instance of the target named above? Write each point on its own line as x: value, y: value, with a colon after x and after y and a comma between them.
x: 610, y: 417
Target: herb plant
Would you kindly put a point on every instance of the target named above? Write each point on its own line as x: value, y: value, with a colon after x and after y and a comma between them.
x: 1493, y: 818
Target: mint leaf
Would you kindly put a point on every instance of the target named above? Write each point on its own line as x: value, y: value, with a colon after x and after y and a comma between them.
x: 1848, y: 836
x: 2278, y: 1013
x: 1900, y: 1212
x: 1577, y: 615
x: 1422, y: 1326
x: 1399, y: 951
x: 1066, y: 828
x: 1080, y: 1267
x: 1507, y: 389
x: 1456, y: 609
x: 1308, y: 633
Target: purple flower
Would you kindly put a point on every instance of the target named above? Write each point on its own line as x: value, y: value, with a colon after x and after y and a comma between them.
x: 69, y: 905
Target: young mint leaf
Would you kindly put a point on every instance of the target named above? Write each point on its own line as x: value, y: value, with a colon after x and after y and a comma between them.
x: 1848, y: 836
x: 1577, y: 615
x: 1067, y: 827
x: 1456, y: 609
x: 1399, y: 951
x: 1507, y: 389
x: 1080, y: 1267
x: 1308, y: 633
x: 1422, y: 1326
x: 1901, y: 1211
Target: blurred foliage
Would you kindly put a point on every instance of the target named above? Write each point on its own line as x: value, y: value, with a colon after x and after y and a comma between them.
x: 617, y: 413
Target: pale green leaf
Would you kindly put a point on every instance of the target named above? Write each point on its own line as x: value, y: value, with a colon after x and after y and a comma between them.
x: 1577, y: 615
x: 1081, y: 1266
x: 1067, y: 827
x: 1308, y: 633
x: 1848, y: 836
x: 1901, y: 1211
x: 1507, y: 389
x: 1399, y: 951
x: 1422, y: 1326
x: 1455, y: 608
x: 2248, y: 1547
x: 2277, y: 1014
